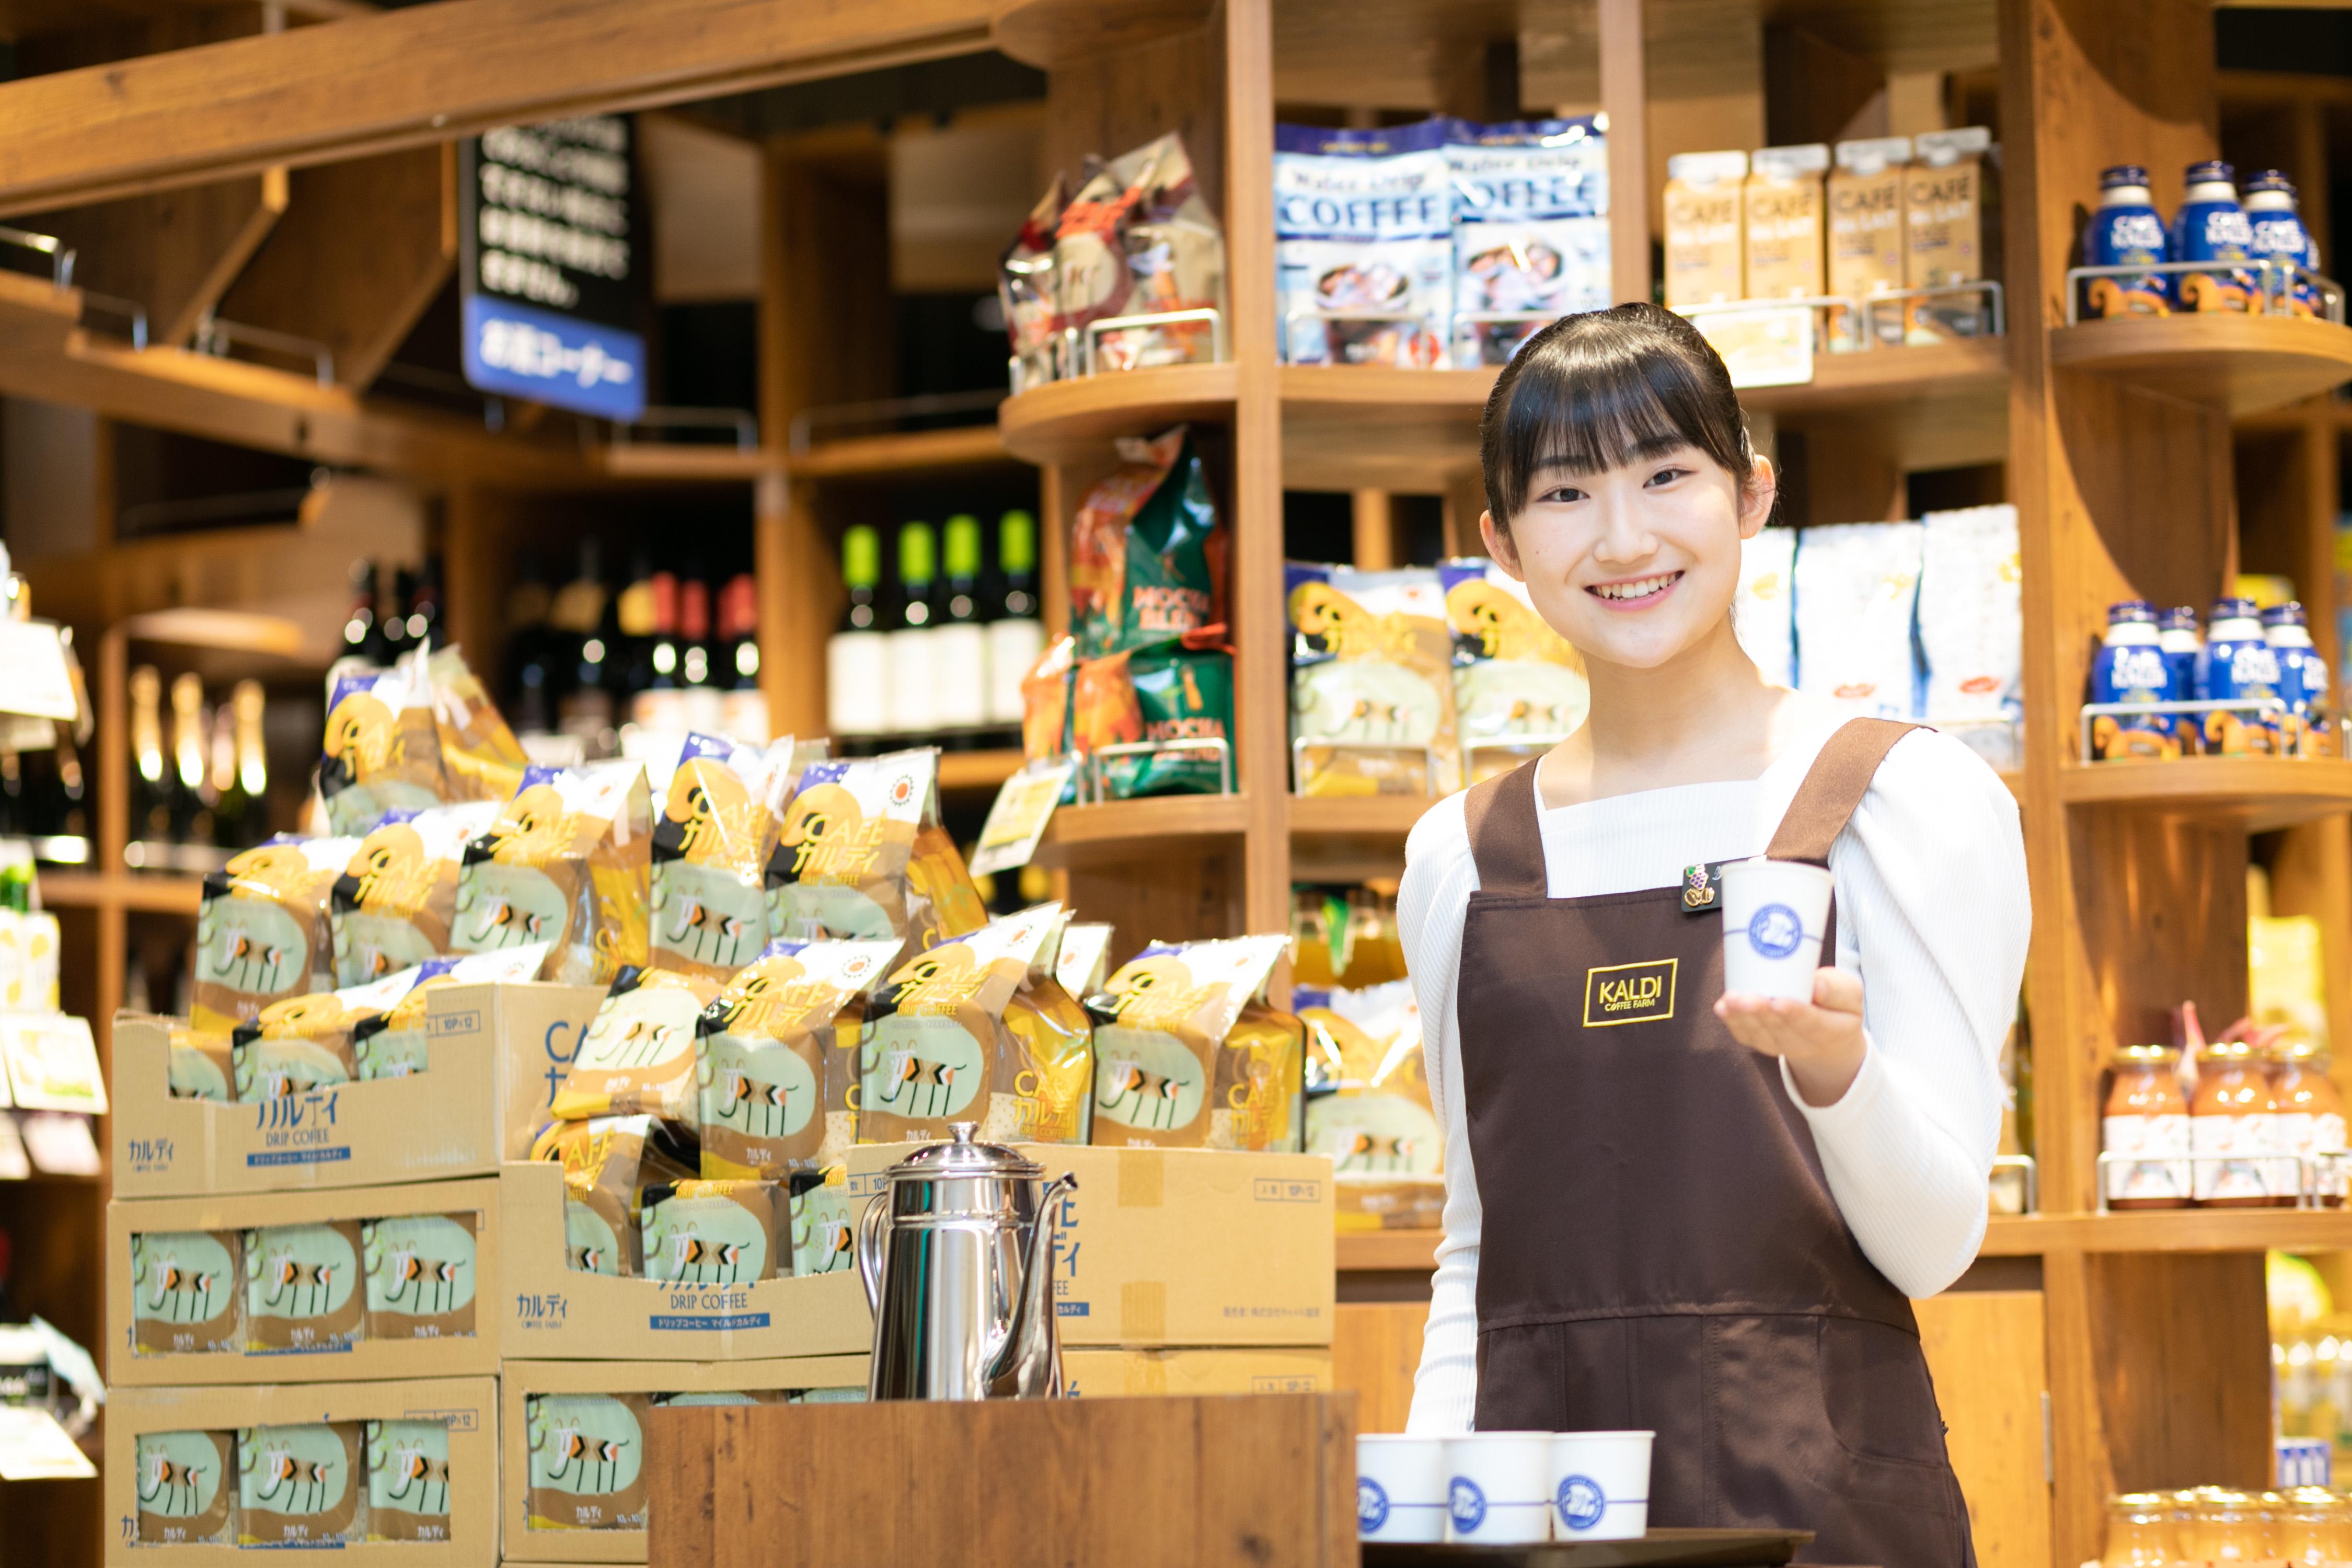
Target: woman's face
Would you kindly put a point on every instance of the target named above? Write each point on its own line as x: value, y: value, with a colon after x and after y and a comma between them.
x: 1638, y: 563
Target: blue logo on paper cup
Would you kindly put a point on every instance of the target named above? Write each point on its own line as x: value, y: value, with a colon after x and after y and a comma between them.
x: 1775, y: 931
x: 1371, y: 1505
x: 1467, y: 1503
x: 1581, y: 1502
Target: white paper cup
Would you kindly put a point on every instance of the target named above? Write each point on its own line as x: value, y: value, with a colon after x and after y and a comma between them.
x: 1399, y: 1488
x: 1773, y: 912
x: 1600, y: 1486
x: 1494, y: 1492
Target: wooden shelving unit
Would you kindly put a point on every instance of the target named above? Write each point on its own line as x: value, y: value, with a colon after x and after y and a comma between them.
x: 2241, y: 365
x: 2265, y: 794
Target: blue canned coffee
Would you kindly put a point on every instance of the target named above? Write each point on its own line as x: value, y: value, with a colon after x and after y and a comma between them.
x: 2178, y: 635
x: 2130, y: 667
x: 2212, y: 226
x: 2127, y: 232
x: 2238, y: 665
x: 2302, y: 676
x: 2274, y: 221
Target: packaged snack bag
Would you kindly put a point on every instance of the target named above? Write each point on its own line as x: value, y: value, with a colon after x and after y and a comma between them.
x: 1372, y: 679
x: 393, y: 1044
x: 717, y: 1233
x: 1162, y: 1025
x: 1363, y: 244
x: 1046, y: 701
x: 825, y: 1222
x: 391, y: 906
x: 1137, y: 239
x: 480, y: 758
x: 1083, y: 962
x: 569, y: 861
x: 186, y: 1485
x: 1857, y: 590
x: 862, y: 856
x: 184, y: 1294
x: 262, y: 928
x: 587, y: 1460
x: 713, y: 831
x: 776, y: 1058
x: 1530, y: 231
x: 407, y: 1480
x: 307, y: 1042
x: 1514, y: 677
x: 382, y: 750
x: 935, y: 1048
x: 1763, y: 611
x: 1146, y: 551
x: 420, y: 1276
x: 607, y: 1163
x: 637, y: 1057
x: 302, y: 1287
x: 1368, y: 1107
x: 201, y: 1065
x: 1971, y: 614
x: 1026, y: 288
x: 298, y: 1485
x: 1051, y: 1053
x: 1180, y: 693
x: 1261, y: 1090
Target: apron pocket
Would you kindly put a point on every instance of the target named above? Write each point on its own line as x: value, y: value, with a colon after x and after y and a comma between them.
x: 1521, y: 1388
x: 1880, y: 1404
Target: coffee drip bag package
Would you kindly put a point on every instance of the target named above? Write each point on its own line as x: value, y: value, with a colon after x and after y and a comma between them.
x: 200, y: 1064
x: 1027, y: 290
x: 1178, y: 695
x: 310, y: 1041
x: 1518, y: 687
x: 713, y: 830
x: 300, y: 1486
x: 1372, y: 690
x: 1139, y: 239
x: 776, y: 1058
x: 1530, y: 231
x: 587, y: 1457
x: 480, y: 758
x: 568, y: 861
x: 1163, y: 1028
x: 1763, y: 608
x: 420, y: 1276
x: 185, y: 1299
x: 407, y: 1480
x: 392, y: 904
x: 262, y: 928
x: 303, y: 1289
x: 393, y: 1043
x: 862, y: 856
x: 1857, y: 590
x: 1051, y: 1052
x: 717, y: 1233
x: 1972, y: 625
x: 1363, y: 244
x: 1082, y: 964
x: 383, y: 748
x: 935, y: 1048
x: 1368, y: 1106
x: 186, y: 1488
x: 638, y: 1055
x: 608, y: 1161
x: 1147, y: 550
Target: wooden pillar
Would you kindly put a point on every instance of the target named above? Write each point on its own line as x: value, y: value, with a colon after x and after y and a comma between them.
x: 1624, y: 98
x: 1375, y: 530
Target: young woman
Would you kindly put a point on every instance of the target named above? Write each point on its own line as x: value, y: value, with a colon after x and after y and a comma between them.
x: 1706, y: 1220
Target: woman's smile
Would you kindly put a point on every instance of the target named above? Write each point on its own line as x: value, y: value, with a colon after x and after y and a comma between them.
x: 1636, y: 592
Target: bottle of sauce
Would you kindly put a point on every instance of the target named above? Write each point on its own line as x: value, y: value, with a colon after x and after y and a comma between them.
x: 2233, y: 1128
x: 2127, y: 232
x: 2146, y: 1116
x: 2130, y: 667
x: 2311, y: 1123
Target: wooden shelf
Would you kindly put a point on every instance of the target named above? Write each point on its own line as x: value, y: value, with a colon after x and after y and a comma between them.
x: 1120, y: 830
x: 102, y: 890
x: 2266, y: 792
x: 672, y: 464
x: 1076, y: 419
x: 884, y: 456
x: 1386, y: 1251
x: 2240, y: 363
x: 978, y: 770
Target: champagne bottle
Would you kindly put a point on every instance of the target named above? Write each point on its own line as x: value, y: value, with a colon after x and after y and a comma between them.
x: 858, y: 655
x: 151, y: 787
x: 914, y: 634
x: 705, y: 708
x: 746, y: 705
x: 241, y: 817
x: 191, y: 813
x: 1016, y: 637
x: 960, y: 643
x: 586, y: 708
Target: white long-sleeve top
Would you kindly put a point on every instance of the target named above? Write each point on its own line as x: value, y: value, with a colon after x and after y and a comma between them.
x: 1932, y: 912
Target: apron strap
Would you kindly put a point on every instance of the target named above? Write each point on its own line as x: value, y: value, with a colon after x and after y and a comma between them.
x: 1505, y: 834
x: 1833, y: 786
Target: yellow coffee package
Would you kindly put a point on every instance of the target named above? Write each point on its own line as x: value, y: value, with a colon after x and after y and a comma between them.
x: 307, y: 1042
x: 262, y: 928
x: 608, y: 1161
x: 1260, y: 1091
x: 393, y: 1044
x: 1518, y: 688
x: 1053, y: 1050
x: 861, y: 855
x: 637, y: 1057
x: 1865, y: 208
x: 1368, y: 1109
x: 1705, y: 232
x: 1162, y: 1029
x: 1783, y: 203
x: 392, y: 905
x: 568, y: 862
x: 1371, y: 687
x: 712, y: 834
x: 480, y: 758
x: 383, y: 751
x: 777, y: 1058
x: 717, y: 1233
x: 935, y: 1048
x: 201, y: 1064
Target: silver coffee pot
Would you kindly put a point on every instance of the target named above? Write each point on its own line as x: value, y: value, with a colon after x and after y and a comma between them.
x: 957, y: 1252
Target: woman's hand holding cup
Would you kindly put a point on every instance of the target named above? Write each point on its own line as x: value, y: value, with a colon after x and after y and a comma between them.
x: 1777, y: 998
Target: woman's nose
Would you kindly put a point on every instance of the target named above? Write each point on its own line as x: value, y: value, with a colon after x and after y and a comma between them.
x: 1625, y: 536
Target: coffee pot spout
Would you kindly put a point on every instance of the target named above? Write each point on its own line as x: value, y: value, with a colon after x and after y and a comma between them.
x: 1029, y: 1363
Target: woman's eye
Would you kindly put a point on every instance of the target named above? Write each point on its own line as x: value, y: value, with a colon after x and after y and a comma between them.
x: 1665, y: 477
x: 1560, y: 495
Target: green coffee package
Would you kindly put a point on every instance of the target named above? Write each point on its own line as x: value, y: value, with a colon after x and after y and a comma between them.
x: 1147, y: 550
x: 391, y: 906
x: 713, y: 830
x: 608, y: 1162
x: 262, y: 928
x: 862, y: 856
x: 309, y: 1042
x: 1372, y: 687
x: 1517, y: 686
x: 300, y: 1486
x: 1173, y: 1067
x: 383, y: 748
x: 568, y: 861
x: 638, y: 1055
x: 717, y: 1232
x: 393, y: 1044
x: 777, y: 1058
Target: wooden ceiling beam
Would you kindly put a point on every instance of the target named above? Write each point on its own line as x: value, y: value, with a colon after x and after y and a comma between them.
x: 376, y: 84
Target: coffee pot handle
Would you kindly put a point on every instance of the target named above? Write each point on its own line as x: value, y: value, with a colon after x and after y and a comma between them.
x: 871, y: 1225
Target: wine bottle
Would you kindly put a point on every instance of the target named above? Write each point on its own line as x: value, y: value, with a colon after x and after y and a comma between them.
x: 586, y: 708
x: 914, y: 634
x: 190, y: 816
x: 1016, y: 637
x: 151, y: 787
x: 425, y: 606
x: 634, y: 613
x: 392, y: 613
x: 359, y: 627
x: 738, y: 642
x: 960, y: 642
x: 68, y: 815
x: 241, y: 816
x: 531, y: 673
x: 858, y: 655
x: 697, y: 675
x: 661, y: 705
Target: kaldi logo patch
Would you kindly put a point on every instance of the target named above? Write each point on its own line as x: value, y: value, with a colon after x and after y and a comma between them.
x: 1630, y: 994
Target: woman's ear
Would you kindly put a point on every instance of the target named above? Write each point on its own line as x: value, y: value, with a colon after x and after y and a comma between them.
x: 1500, y: 546
x: 1756, y: 497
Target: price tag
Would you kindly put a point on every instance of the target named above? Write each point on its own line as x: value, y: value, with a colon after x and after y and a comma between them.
x: 1767, y: 347
x: 33, y: 1448
x: 52, y: 1062
x: 1017, y: 821
x: 35, y: 679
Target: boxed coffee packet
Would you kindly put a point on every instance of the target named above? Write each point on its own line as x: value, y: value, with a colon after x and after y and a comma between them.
x: 587, y: 1460
x: 608, y: 1161
x: 638, y: 1055
x: 825, y: 1222
x: 1137, y: 239
x: 407, y: 1480
x: 1165, y: 1025
x: 185, y: 1488
x: 302, y: 1287
x: 262, y: 928
x: 1783, y: 214
x: 1371, y: 692
x: 300, y: 1486
x: 862, y: 856
x: 383, y: 751
x: 480, y: 758
x: 776, y: 1058
x: 1518, y: 688
x: 1147, y: 550
x: 309, y: 1042
x: 184, y: 1293
x: 1368, y: 1106
x: 1706, y: 251
x: 391, y: 905
x: 420, y: 1276
x: 717, y: 1233
x: 713, y: 831
x: 567, y: 862
x: 393, y: 1044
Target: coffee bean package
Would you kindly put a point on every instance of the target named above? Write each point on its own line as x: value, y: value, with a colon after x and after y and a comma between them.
x: 1363, y: 249
x: 1025, y: 287
x: 608, y: 1161
x: 1083, y: 961
x: 637, y: 1057
x: 1518, y: 687
x: 309, y: 1042
x: 1259, y: 1099
x: 936, y: 1048
x: 1530, y: 230
x: 569, y: 861
x: 587, y: 1461
x: 262, y: 928
x: 824, y: 1224
x: 1371, y: 690
x: 717, y: 1233
x: 712, y: 835
x: 391, y: 905
x: 420, y: 1276
x: 407, y: 1480
x: 1162, y: 1029
x: 302, y: 1287
x: 201, y: 1065
x: 300, y: 1486
x: 184, y: 1294
x: 861, y: 857
x: 777, y: 1058
x: 393, y: 1044
x: 1147, y: 550
x: 480, y: 758
x: 1171, y: 693
x: 383, y: 751
x: 184, y: 1490
x: 1053, y: 1060
x: 1139, y: 240
x: 1368, y: 1109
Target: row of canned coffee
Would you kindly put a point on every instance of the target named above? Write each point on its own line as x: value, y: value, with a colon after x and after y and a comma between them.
x: 2245, y: 655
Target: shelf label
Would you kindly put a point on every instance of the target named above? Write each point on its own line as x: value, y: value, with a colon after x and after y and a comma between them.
x: 52, y: 1062
x: 1018, y: 820
x: 35, y: 678
x: 1771, y: 347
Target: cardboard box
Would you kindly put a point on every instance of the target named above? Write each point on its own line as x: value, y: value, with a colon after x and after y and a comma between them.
x: 464, y: 1409
x: 497, y: 1054
x: 611, y: 1483
x: 1096, y: 1373
x: 551, y: 1312
x: 402, y: 1318
x: 1178, y: 1246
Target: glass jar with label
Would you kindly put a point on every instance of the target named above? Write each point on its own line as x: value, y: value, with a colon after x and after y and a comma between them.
x: 2224, y: 1526
x: 2146, y: 1116
x: 2139, y: 1532
x: 2312, y: 1526
x: 2233, y: 1128
x: 2311, y: 1123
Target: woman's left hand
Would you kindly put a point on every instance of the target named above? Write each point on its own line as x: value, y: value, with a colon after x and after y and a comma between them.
x: 1821, y: 1041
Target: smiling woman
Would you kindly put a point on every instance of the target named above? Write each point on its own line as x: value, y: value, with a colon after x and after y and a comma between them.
x: 1650, y: 1222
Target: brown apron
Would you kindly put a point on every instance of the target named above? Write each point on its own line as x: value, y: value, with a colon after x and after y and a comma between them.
x: 1659, y: 1249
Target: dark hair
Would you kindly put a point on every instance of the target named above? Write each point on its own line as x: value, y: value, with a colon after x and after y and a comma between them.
x: 1607, y: 388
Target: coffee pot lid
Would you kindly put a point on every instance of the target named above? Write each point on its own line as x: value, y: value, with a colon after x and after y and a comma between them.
x: 961, y: 1156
